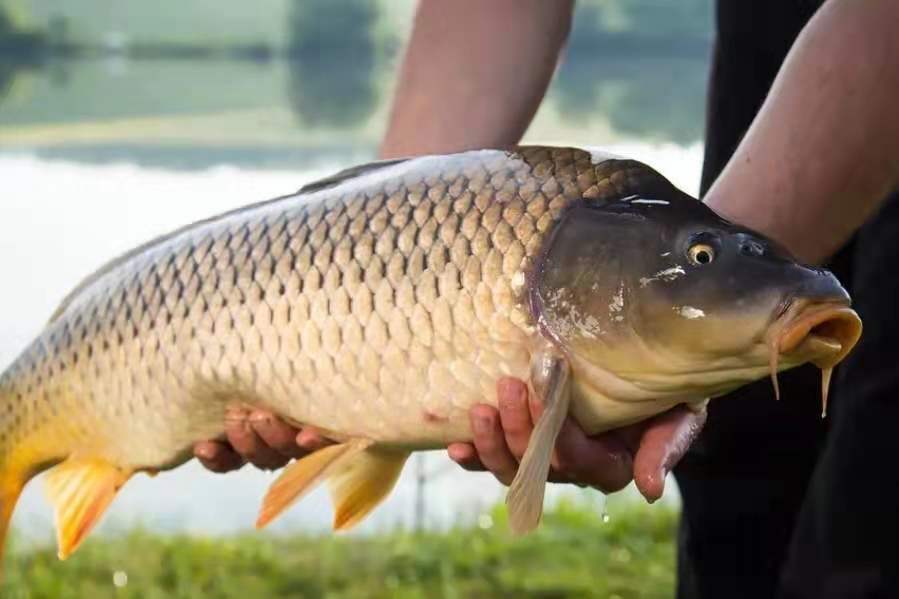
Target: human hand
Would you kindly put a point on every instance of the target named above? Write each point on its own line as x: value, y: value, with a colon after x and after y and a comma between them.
x: 260, y: 438
x: 644, y: 452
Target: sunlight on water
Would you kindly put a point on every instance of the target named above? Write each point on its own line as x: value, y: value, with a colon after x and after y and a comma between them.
x: 61, y: 220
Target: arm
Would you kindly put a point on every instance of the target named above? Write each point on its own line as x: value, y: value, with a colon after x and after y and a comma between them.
x: 823, y: 151
x: 474, y: 74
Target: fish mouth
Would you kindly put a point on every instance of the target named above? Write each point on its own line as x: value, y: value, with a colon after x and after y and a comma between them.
x: 822, y: 333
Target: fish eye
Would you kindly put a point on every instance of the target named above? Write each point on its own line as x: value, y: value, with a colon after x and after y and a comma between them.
x: 701, y: 253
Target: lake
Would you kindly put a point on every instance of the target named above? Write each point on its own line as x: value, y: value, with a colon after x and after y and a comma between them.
x: 98, y: 156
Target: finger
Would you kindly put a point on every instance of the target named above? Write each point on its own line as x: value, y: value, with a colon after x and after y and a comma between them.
x: 217, y: 456
x: 666, y: 439
x: 515, y: 415
x: 276, y: 433
x: 603, y: 462
x: 491, y: 444
x: 560, y: 477
x: 309, y: 440
x: 466, y: 456
x: 250, y: 445
x: 632, y: 435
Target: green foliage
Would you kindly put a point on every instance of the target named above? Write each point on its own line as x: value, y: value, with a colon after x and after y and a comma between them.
x: 650, y: 98
x: 683, y: 20
x: 16, y: 44
x: 574, y: 554
x: 334, y: 54
x: 160, y: 21
x: 331, y: 25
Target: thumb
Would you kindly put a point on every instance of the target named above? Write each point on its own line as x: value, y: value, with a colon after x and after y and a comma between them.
x: 665, y: 440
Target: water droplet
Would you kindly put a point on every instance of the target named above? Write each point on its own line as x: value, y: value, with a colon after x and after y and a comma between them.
x: 604, y: 515
x: 485, y: 521
x: 120, y: 579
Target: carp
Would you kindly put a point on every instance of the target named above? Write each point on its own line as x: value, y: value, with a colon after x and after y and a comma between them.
x: 380, y: 304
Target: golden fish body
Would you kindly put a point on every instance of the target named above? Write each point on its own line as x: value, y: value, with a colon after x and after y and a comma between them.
x: 384, y: 306
x: 378, y: 306
x: 381, y: 304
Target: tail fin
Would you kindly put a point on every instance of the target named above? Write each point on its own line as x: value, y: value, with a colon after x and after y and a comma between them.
x: 10, y: 488
x: 12, y: 477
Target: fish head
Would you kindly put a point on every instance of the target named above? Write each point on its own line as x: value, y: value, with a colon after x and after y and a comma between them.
x: 657, y: 298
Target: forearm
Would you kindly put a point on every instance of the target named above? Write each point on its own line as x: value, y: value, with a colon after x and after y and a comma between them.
x: 474, y: 73
x: 824, y: 149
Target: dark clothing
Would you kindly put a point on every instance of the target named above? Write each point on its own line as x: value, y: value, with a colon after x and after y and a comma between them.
x: 777, y: 502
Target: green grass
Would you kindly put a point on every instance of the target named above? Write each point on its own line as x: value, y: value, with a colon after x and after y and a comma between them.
x: 575, y: 554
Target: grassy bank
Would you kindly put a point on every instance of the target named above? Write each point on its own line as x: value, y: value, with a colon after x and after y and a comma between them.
x: 575, y: 554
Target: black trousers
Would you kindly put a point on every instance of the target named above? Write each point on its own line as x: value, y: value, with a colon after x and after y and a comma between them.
x: 777, y: 502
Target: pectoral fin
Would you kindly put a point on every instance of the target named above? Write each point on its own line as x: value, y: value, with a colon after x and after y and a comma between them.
x: 362, y: 483
x: 304, y: 475
x: 81, y: 490
x: 549, y: 377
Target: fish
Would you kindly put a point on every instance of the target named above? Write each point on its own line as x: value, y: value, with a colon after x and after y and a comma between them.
x: 380, y: 304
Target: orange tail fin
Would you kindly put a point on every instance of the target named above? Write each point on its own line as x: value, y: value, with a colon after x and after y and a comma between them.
x: 10, y: 489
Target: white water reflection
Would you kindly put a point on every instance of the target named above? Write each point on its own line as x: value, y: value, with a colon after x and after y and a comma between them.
x: 61, y: 220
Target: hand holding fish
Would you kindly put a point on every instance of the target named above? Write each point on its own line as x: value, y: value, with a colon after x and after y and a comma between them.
x: 643, y: 452
x: 260, y: 438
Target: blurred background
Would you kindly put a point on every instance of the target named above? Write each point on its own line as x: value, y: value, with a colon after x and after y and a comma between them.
x: 122, y: 119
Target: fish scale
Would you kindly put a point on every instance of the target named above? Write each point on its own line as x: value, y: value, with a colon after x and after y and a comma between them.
x: 384, y: 305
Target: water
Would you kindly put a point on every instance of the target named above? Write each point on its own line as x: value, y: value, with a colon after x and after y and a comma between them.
x: 98, y: 156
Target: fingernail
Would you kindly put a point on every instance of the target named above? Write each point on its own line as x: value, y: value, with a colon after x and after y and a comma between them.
x: 510, y: 402
x: 204, y: 452
x: 235, y: 414
x: 261, y: 418
x: 306, y: 440
x: 454, y: 453
x: 482, y: 424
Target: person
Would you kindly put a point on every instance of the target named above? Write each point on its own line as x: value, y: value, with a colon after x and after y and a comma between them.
x: 802, y: 145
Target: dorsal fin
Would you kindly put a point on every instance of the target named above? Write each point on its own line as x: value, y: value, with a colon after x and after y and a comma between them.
x: 116, y: 262
x: 349, y: 173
